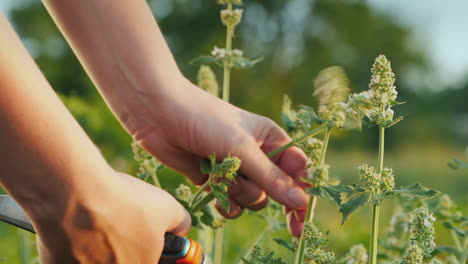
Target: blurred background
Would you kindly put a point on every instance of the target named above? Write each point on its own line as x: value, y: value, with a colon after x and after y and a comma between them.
x: 426, y: 42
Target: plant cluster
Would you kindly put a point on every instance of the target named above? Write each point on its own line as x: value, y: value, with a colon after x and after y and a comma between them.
x: 410, y: 236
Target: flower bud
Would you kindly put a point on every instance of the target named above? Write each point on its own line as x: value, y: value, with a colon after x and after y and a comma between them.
x: 422, y: 230
x: 231, y: 18
x: 413, y: 255
x: 183, y: 193
x: 207, y: 80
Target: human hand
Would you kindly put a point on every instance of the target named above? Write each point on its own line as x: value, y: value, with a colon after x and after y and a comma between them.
x: 189, y: 125
x: 125, y: 225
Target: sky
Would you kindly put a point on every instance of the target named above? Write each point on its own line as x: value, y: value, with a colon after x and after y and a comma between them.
x: 442, y: 26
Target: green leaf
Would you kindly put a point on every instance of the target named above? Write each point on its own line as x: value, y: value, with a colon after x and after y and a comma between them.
x: 415, y: 191
x: 331, y: 192
x: 394, y: 122
x: 457, y: 164
x: 451, y: 226
x: 446, y: 249
x: 205, y: 166
x: 219, y: 190
x: 353, y: 201
x: 205, y: 59
x: 207, y: 218
x: 286, y: 244
x: 244, y: 63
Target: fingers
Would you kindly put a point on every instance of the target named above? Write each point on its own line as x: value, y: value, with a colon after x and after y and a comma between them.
x: 184, y: 162
x: 271, y: 178
x: 247, y: 194
x: 235, y: 210
x: 295, y: 221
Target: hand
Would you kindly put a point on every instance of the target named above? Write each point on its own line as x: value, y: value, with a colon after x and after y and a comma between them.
x: 191, y: 124
x: 126, y: 226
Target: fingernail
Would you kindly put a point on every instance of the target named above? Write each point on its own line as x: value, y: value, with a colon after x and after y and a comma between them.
x: 298, y: 198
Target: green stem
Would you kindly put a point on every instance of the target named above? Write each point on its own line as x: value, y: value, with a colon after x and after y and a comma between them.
x: 199, y: 192
x: 202, y: 202
x: 312, y: 202
x: 375, y: 211
x: 374, y: 236
x: 155, y: 180
x: 227, y: 68
x: 296, y: 141
x: 308, y: 218
x: 323, y: 151
x: 219, y: 246
x: 456, y: 240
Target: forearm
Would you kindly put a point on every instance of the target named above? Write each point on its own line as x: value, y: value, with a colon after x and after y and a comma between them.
x: 46, y: 160
x: 124, y: 52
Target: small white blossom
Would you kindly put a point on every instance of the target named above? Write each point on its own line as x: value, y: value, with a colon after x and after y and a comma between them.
x: 219, y: 53
x: 237, y: 52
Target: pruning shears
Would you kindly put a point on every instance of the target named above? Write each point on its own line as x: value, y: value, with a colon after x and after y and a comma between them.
x: 177, y: 250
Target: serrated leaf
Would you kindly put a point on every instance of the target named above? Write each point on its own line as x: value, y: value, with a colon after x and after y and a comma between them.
x: 353, y: 202
x: 219, y: 190
x: 415, y: 191
x: 286, y: 244
x: 244, y: 63
x: 457, y: 164
x: 205, y: 166
x: 331, y: 192
x: 205, y: 59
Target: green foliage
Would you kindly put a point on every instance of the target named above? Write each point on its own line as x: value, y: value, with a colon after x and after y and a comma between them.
x: 232, y: 59
x: 257, y: 256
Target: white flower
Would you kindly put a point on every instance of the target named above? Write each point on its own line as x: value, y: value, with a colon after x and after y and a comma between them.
x: 237, y: 52
x: 311, y: 141
x: 376, y: 79
x: 219, y: 53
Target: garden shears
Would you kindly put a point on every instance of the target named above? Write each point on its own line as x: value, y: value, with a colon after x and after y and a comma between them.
x: 177, y: 250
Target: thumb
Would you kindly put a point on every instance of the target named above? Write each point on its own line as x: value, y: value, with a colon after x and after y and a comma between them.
x: 162, y: 205
x: 179, y: 218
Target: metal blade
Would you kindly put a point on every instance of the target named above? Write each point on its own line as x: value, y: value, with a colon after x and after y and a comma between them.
x: 12, y: 213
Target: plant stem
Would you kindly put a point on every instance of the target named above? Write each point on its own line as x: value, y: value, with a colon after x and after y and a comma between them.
x: 227, y: 68
x: 301, y: 247
x: 323, y: 151
x: 374, y: 235
x: 199, y: 192
x: 292, y: 143
x: 312, y: 202
x: 456, y: 240
x: 202, y: 202
x: 155, y: 180
x: 376, y: 207
x: 219, y: 245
